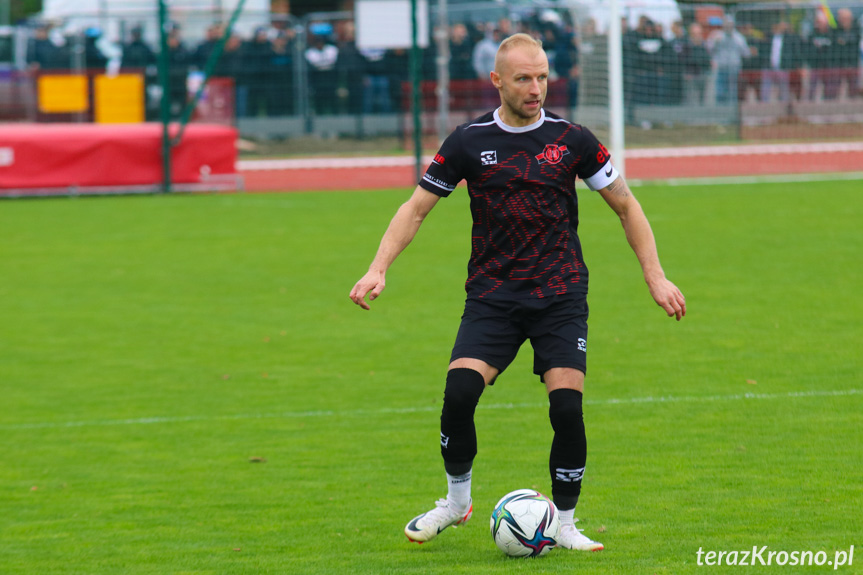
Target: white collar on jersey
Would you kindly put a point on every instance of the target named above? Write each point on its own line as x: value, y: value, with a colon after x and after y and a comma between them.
x: 520, y: 129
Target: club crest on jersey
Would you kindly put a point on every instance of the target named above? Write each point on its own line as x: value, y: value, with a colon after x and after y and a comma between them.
x: 552, y: 154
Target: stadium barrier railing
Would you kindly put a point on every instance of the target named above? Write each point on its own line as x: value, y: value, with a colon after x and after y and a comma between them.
x: 693, y: 74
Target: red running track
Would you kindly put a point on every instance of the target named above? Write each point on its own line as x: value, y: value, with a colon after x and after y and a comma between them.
x: 643, y: 164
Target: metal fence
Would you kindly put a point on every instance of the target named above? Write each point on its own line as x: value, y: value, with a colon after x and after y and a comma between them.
x: 692, y: 74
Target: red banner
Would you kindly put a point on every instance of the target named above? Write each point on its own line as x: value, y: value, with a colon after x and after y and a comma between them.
x: 90, y: 155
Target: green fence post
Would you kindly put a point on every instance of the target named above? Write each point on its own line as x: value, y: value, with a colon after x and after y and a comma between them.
x: 165, y: 104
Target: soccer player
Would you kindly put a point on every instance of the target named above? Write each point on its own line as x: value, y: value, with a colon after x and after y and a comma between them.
x: 526, y: 276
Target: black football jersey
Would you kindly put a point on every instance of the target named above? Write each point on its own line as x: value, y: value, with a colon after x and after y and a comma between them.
x: 521, y: 183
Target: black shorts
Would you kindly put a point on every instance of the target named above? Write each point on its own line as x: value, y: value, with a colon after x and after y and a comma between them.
x: 493, y: 331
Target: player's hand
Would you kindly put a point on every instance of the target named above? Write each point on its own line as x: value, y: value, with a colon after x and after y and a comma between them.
x: 371, y: 284
x: 669, y: 298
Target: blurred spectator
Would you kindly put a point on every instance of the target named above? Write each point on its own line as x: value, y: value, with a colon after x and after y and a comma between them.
x: 93, y: 56
x: 232, y: 65
x: 428, y: 62
x: 483, y: 63
x: 551, y: 45
x: 674, y: 53
x: 351, y: 71
x: 759, y: 50
x: 484, y: 52
x: 397, y: 64
x: 475, y: 33
x: 460, y: 54
x: 376, y: 84
x: 43, y: 53
x: 137, y: 55
x: 504, y: 29
x: 212, y: 38
x: 179, y: 60
x: 785, y: 56
x: 136, y: 52
x: 696, y: 65
x: 566, y: 63
x: 727, y: 47
x: 848, y: 50
x: 322, y: 56
x: 280, y: 84
x: 256, y: 61
x: 820, y: 55
x: 651, y: 86
x: 629, y: 41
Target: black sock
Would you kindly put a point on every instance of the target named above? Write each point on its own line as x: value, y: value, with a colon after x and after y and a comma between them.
x: 568, y: 448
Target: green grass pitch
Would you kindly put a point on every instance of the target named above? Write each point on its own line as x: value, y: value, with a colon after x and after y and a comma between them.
x: 186, y: 387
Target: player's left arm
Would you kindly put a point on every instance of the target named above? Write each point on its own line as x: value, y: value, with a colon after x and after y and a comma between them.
x: 640, y: 237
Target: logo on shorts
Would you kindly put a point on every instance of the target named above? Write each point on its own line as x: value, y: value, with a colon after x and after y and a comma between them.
x: 552, y: 154
x: 582, y: 344
x: 488, y: 158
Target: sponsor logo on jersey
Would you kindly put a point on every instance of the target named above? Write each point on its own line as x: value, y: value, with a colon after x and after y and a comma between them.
x: 488, y: 158
x: 602, y: 155
x: 438, y: 159
x: 552, y: 154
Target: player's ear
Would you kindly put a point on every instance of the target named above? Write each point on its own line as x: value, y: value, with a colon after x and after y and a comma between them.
x: 495, y: 79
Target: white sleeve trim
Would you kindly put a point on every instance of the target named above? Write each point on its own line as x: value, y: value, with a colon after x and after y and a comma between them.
x: 603, y: 177
x: 439, y: 183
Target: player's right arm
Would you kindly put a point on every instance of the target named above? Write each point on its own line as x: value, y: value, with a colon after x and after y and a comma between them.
x: 401, y: 231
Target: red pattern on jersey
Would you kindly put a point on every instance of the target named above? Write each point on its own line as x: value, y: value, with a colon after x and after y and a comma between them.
x: 524, y: 241
x: 527, y: 239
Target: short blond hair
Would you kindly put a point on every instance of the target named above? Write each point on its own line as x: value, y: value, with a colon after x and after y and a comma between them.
x: 515, y: 41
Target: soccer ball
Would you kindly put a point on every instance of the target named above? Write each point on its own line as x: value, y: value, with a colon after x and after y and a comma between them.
x: 525, y: 523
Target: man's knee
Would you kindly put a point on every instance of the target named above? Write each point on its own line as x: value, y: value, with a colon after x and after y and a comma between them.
x: 457, y: 431
x: 463, y: 390
x: 564, y: 378
x: 488, y: 372
x: 565, y: 411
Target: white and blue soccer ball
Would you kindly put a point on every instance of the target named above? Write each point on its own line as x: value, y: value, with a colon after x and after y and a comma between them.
x: 525, y: 523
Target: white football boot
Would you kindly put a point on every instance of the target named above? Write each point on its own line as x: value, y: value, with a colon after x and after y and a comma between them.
x: 425, y: 527
x: 572, y: 538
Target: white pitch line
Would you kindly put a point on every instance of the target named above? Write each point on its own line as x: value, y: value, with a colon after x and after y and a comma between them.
x: 426, y: 409
x: 749, y: 180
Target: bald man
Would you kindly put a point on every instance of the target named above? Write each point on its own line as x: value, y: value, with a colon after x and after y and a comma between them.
x: 526, y: 275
